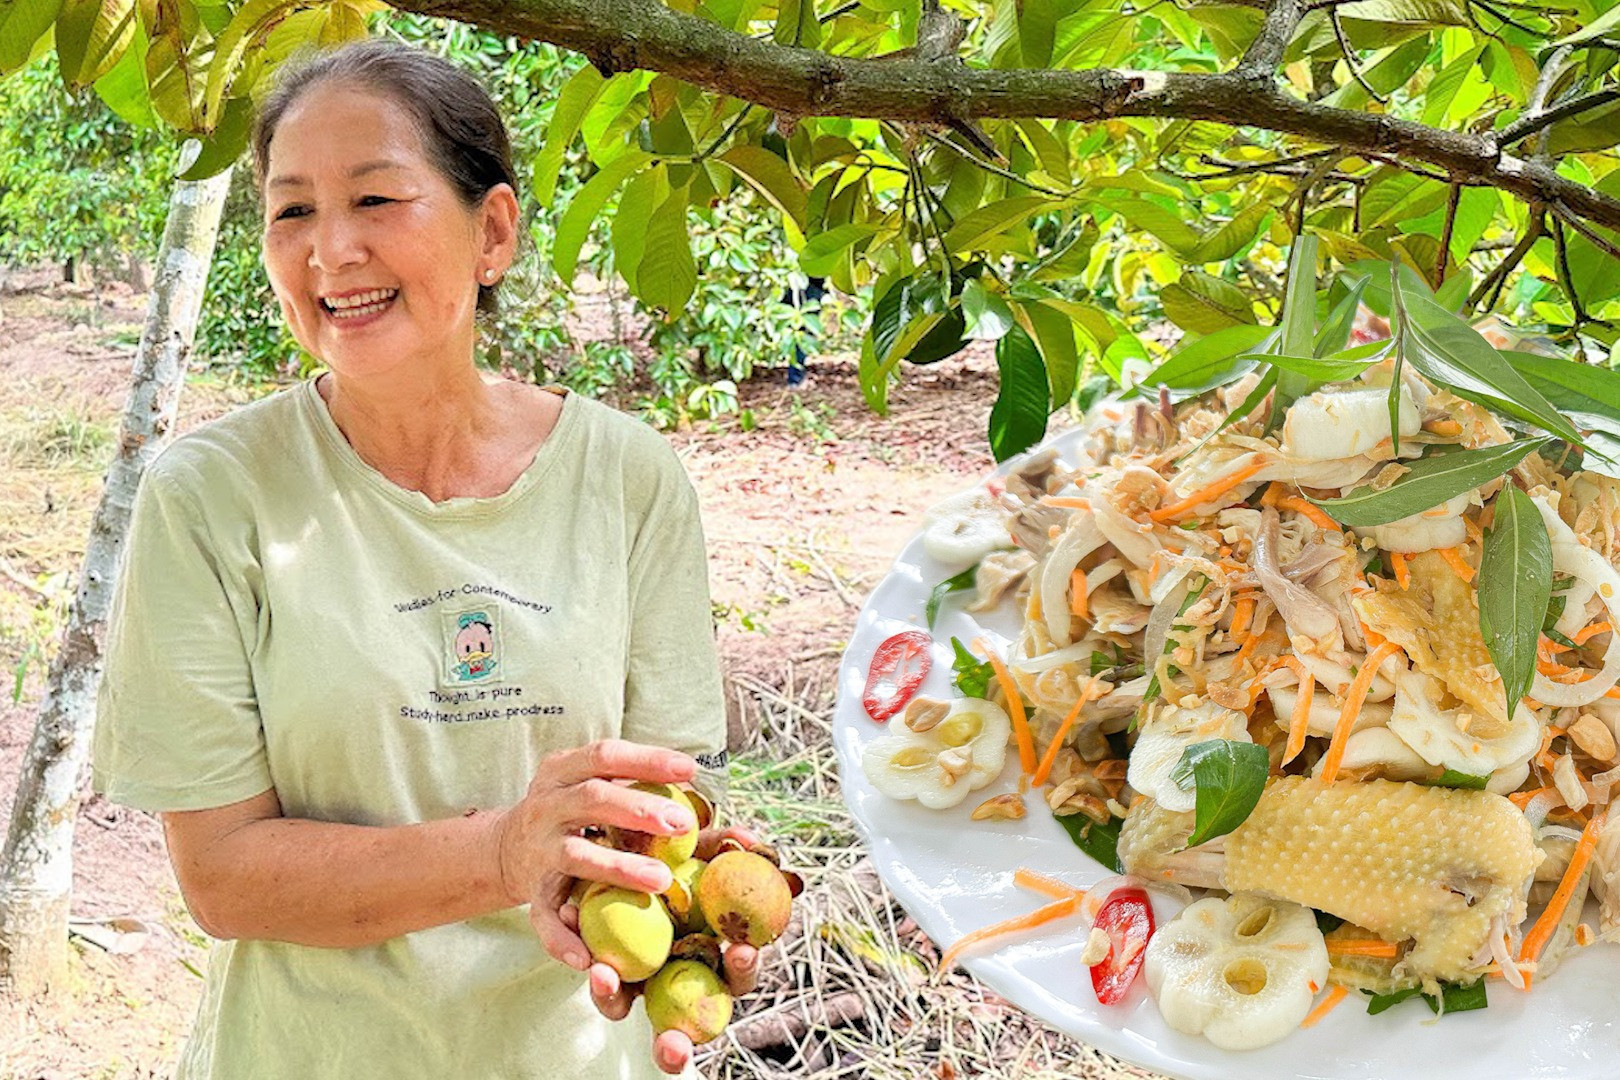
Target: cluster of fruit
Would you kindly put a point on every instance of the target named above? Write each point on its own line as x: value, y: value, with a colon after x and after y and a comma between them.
x: 673, y: 940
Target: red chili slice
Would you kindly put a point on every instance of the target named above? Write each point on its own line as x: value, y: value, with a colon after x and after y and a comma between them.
x: 898, y: 668
x: 1127, y: 918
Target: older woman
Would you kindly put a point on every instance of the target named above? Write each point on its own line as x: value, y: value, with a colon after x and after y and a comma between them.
x: 384, y: 641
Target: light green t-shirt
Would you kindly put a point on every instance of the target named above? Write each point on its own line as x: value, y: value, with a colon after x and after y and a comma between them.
x: 289, y: 618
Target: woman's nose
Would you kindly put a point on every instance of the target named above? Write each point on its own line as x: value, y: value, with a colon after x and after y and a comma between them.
x: 336, y: 243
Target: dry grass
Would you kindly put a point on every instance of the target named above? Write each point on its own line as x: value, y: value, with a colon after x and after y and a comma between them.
x: 848, y: 990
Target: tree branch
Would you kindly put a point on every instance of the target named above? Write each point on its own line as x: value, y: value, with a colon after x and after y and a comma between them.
x: 1530, y: 124
x: 622, y: 35
x: 1264, y: 55
x: 1350, y: 56
x: 1446, y: 234
x: 1498, y: 277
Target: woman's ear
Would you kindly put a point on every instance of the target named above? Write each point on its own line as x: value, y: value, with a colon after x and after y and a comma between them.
x: 499, y: 222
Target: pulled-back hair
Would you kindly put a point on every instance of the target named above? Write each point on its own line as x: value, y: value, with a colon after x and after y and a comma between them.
x: 459, y: 125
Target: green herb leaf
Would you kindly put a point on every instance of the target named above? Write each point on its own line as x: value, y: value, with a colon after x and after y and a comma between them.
x: 1453, y: 778
x: 1448, y: 351
x: 1229, y: 777
x: 1101, y: 842
x: 964, y: 580
x: 1515, y: 585
x: 1296, y: 326
x: 1319, y: 369
x: 1455, y: 997
x: 1024, y: 403
x: 1327, y: 922
x: 972, y: 674
x: 1380, y: 1002
x: 1204, y: 364
x: 1554, y: 635
x: 1335, y: 333
x: 1431, y: 481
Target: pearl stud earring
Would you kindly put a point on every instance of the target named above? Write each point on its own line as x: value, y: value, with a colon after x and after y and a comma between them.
x: 489, y: 273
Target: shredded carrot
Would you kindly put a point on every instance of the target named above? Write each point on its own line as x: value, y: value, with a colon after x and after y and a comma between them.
x: 1299, y: 723
x: 1443, y: 427
x: 1335, y: 995
x: 1521, y: 799
x: 1354, y: 696
x: 1386, y: 950
x: 1242, y: 612
x: 1374, y: 638
x: 1035, y: 881
x: 1078, y: 599
x: 1274, y: 491
x: 1067, y: 502
x: 1206, y: 494
x: 1015, y: 709
x: 1475, y: 533
x: 1542, y: 931
x: 1553, y: 667
x: 1403, y: 576
x: 1039, y: 917
x: 1613, y: 691
x: 1315, y: 513
x: 1255, y: 634
x: 1591, y: 632
x: 1045, y: 767
x: 1458, y: 563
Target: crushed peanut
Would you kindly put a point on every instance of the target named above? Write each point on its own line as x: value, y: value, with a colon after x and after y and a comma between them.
x: 1593, y: 737
x: 924, y: 713
x: 1008, y: 807
x: 955, y: 763
x: 1098, y: 946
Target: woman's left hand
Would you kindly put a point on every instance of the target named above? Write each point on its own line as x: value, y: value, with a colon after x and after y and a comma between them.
x: 672, y: 1050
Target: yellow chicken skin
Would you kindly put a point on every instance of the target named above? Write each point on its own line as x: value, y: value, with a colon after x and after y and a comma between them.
x: 1426, y: 865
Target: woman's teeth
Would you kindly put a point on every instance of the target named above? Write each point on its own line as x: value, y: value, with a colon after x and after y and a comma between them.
x: 367, y: 303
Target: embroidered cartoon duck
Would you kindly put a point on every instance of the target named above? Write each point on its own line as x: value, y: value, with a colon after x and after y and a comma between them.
x: 475, y: 647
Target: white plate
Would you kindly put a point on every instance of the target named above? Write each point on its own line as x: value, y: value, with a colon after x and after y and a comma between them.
x: 954, y: 875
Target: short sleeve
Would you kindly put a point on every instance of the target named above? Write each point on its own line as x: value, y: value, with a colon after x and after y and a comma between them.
x: 177, y: 721
x: 672, y: 693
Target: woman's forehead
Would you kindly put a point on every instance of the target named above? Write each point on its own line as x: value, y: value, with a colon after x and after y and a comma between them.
x: 336, y: 132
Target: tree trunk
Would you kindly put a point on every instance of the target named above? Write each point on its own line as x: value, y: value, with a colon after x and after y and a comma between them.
x: 36, y: 865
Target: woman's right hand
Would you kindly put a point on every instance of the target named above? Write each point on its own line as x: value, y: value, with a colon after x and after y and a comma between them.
x: 538, y: 843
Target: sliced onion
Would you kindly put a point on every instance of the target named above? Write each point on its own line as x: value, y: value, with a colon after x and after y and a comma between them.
x: 1590, y: 568
x: 1080, y: 539
x: 1568, y: 783
x: 1165, y: 611
x: 1511, y: 974
x: 1055, y: 658
x: 1537, y: 809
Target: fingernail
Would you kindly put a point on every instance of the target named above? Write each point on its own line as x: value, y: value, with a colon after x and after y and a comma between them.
x: 676, y: 822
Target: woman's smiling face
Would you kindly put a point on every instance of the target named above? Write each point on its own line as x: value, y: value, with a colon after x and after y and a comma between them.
x: 371, y: 253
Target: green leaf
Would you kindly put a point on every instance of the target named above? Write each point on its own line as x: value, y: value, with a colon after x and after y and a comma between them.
x: 1054, y: 333
x: 796, y: 24
x: 957, y: 583
x: 972, y: 674
x: 823, y: 250
x: 1601, y: 26
x: 91, y: 36
x: 575, y: 99
x: 1381, y: 1002
x: 1036, y: 22
x: 772, y: 178
x: 1228, y: 777
x: 1101, y: 842
x: 1213, y: 360
x: 1162, y: 222
x: 1231, y: 238
x: 249, y: 21
x: 642, y: 196
x: 1456, y: 997
x: 1569, y: 385
x: 1515, y: 585
x: 1203, y: 303
x: 575, y: 224
x: 1431, y: 481
x: 1318, y: 369
x: 22, y: 24
x: 988, y: 318
x: 1024, y: 403
x: 1296, y: 325
x: 667, y: 273
x: 1450, y: 352
x: 1453, y: 779
x: 123, y: 88
x: 1052, y: 155
x: 993, y: 219
x: 221, y: 149
x: 1334, y: 334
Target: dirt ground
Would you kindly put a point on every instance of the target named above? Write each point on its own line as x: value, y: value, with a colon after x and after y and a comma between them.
x: 803, y: 514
